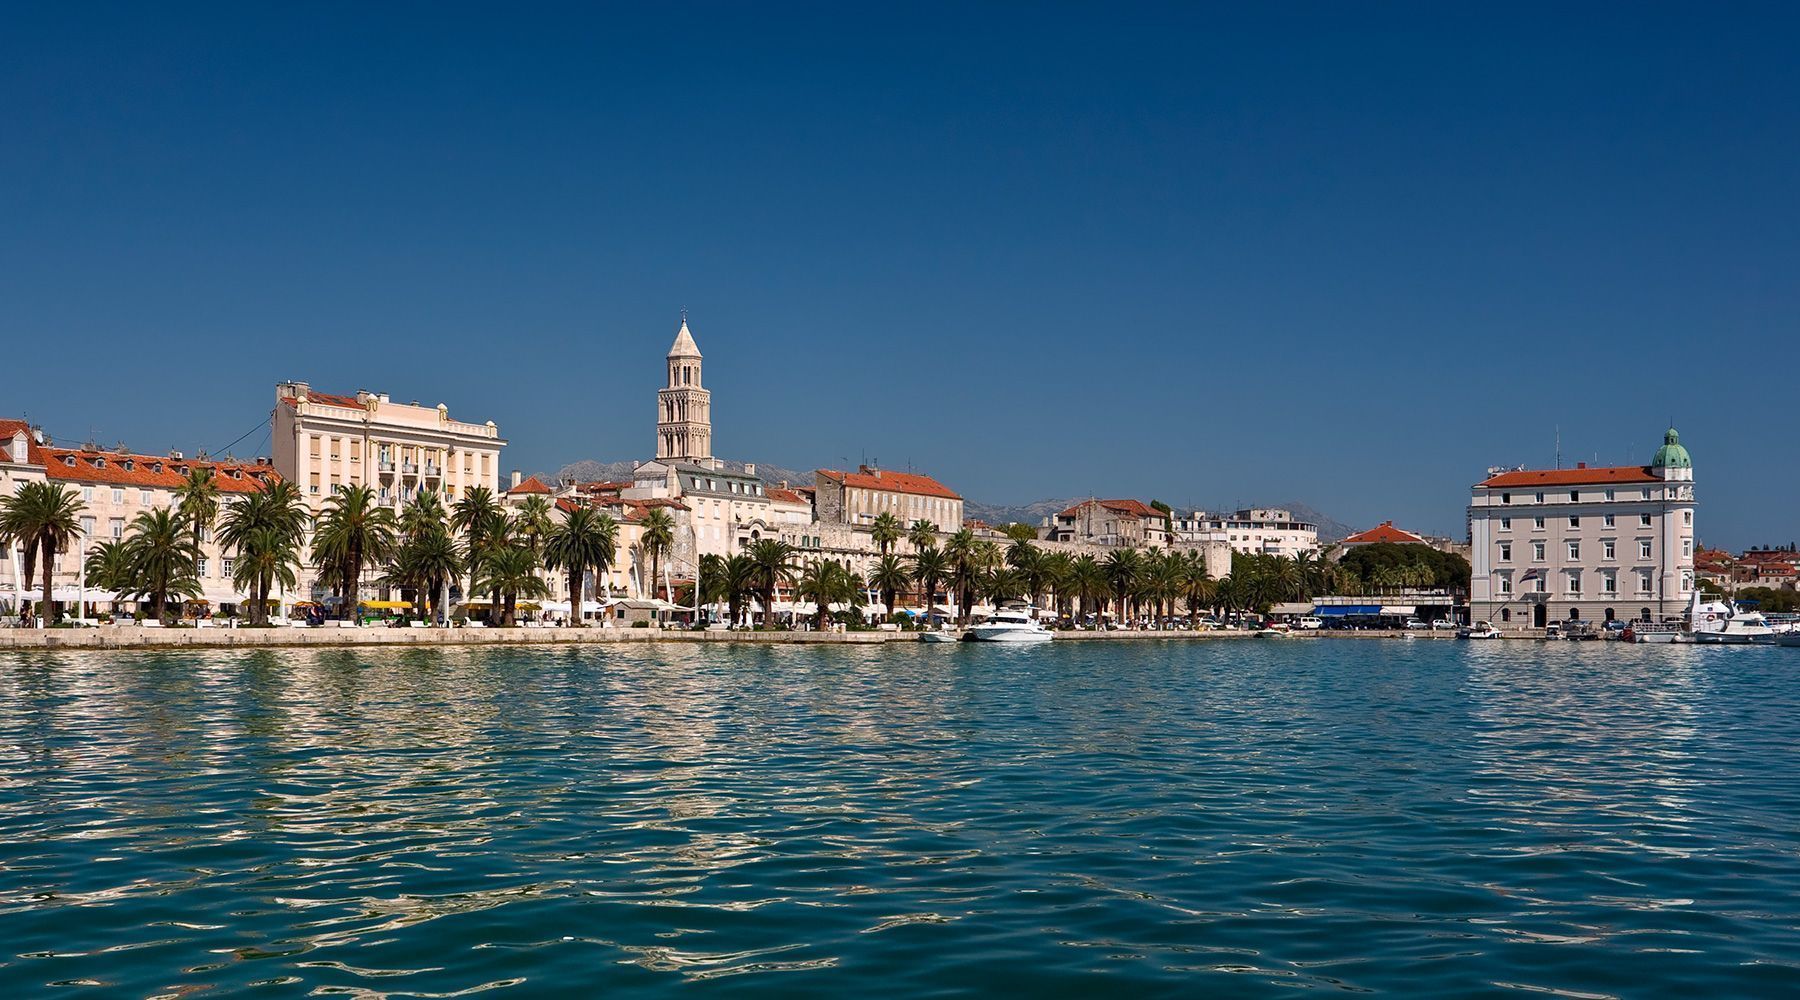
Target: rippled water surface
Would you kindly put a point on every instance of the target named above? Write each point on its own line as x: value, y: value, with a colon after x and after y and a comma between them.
x: 1424, y: 818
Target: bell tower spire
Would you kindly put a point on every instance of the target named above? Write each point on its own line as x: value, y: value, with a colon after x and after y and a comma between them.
x: 684, y: 406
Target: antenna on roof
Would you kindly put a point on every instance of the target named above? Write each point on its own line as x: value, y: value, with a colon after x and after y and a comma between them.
x: 1559, y: 446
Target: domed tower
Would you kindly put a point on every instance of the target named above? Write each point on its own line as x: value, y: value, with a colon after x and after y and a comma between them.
x: 1672, y: 461
x: 1676, y: 516
x: 684, y: 408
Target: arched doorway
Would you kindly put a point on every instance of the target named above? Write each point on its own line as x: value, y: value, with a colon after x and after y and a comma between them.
x: 1609, y: 616
x: 1540, y: 615
x: 1574, y: 613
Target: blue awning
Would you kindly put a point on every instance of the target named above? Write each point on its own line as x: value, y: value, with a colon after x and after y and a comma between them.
x: 1343, y: 610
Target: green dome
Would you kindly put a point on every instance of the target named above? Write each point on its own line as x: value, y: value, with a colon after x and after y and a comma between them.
x: 1671, y: 455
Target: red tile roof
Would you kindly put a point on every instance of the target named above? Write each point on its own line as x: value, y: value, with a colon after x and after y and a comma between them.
x: 1572, y: 477
x: 892, y: 482
x: 1130, y: 508
x: 83, y: 466
x: 532, y: 485
x: 785, y: 496
x: 1383, y: 532
x: 328, y: 398
x: 7, y: 429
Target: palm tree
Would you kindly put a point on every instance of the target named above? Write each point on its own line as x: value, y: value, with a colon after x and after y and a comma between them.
x: 826, y: 582
x: 1056, y: 573
x: 1028, y: 560
x: 108, y: 565
x: 1197, y: 585
x: 658, y: 537
x: 1089, y: 579
x: 483, y: 523
x: 889, y: 576
x: 353, y: 533
x: 922, y: 534
x: 197, y: 500
x: 266, y: 529
x: 731, y: 580
x: 1002, y: 584
x: 1122, y: 568
x: 45, y: 517
x: 886, y: 530
x: 532, y: 522
x: 771, y: 558
x: 423, y: 515
x: 511, y: 571
x: 164, y: 558
x: 427, y: 563
x: 585, y: 540
x: 964, y: 554
x: 930, y: 566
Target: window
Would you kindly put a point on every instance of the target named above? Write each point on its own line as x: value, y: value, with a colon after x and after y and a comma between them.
x: 1575, y: 582
x: 1537, y: 551
x: 1543, y: 585
x: 1540, y: 498
x: 1574, y: 550
x: 1506, y: 498
x: 200, y: 566
x: 225, y: 567
x: 1538, y: 523
x: 1643, y: 520
x: 1643, y: 581
x: 1506, y: 552
x: 1506, y: 585
x: 1608, y: 520
x: 1506, y: 524
x: 1609, y: 583
x: 1643, y: 548
x: 144, y: 497
x: 1687, y: 518
x: 1687, y: 547
x: 118, y: 527
x: 87, y: 527
x: 1609, y: 494
x: 87, y: 494
x: 1645, y: 492
x: 1687, y: 582
x: 1506, y: 614
x: 1575, y: 496
x: 1574, y: 522
x: 1607, y: 550
x: 118, y: 495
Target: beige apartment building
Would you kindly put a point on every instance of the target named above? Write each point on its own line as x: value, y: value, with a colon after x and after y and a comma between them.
x: 858, y: 498
x: 322, y: 441
x: 114, y: 487
x: 1590, y: 544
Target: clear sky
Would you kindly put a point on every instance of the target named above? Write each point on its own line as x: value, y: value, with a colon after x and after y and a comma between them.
x: 1336, y: 253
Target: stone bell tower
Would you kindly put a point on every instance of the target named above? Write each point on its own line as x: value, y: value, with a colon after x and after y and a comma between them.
x: 684, y: 408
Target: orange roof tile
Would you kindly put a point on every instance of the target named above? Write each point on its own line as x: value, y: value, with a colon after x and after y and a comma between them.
x: 328, y: 398
x: 1572, y: 477
x: 1130, y: 508
x: 892, y: 482
x: 1383, y: 532
x: 785, y: 496
x: 532, y: 485
x: 83, y: 466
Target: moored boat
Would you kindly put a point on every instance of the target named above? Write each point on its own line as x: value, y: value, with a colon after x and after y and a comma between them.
x: 1479, y: 630
x: 1009, y: 625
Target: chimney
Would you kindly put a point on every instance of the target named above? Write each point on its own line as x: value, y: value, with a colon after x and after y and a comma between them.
x: 516, y: 479
x: 176, y: 455
x: 749, y: 468
x: 784, y: 484
x: 1581, y: 465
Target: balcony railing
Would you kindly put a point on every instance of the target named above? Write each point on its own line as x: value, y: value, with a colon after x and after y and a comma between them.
x: 410, y: 468
x: 386, y: 465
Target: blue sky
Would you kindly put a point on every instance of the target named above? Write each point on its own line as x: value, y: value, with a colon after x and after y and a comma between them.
x: 1220, y: 254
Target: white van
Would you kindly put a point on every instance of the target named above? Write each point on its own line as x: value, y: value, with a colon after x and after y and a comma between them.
x: 1309, y: 623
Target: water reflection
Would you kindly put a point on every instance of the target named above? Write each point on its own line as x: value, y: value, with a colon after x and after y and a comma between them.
x: 1421, y: 817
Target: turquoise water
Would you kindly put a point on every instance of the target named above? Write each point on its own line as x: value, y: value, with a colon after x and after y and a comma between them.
x: 1220, y: 819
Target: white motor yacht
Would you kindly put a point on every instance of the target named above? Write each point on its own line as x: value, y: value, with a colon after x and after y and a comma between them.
x: 1009, y: 625
x: 1743, y: 629
x: 1479, y: 630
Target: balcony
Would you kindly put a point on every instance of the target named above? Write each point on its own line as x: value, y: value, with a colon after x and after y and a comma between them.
x: 385, y: 465
x: 409, y: 468
x: 432, y: 470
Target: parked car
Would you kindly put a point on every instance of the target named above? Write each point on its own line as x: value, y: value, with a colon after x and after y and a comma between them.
x: 1415, y: 624
x: 1443, y: 625
x: 1309, y: 623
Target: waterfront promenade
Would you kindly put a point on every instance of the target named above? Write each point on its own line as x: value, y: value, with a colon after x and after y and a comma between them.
x: 134, y: 637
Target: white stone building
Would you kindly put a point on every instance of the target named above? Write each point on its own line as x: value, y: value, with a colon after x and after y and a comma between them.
x: 1591, y: 544
x: 1260, y: 530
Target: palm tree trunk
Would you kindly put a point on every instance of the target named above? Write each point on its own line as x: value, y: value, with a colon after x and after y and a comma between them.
x: 49, y: 553
x: 575, y: 597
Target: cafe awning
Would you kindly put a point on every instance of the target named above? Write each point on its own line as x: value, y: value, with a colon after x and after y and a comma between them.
x: 1346, y: 610
x: 1398, y: 609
